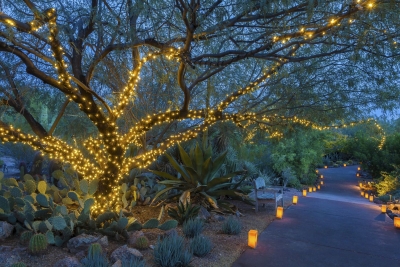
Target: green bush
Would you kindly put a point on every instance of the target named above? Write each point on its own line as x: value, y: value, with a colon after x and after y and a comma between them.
x: 231, y: 226
x: 387, y: 183
x: 200, y: 245
x: 171, y: 252
x: 192, y: 227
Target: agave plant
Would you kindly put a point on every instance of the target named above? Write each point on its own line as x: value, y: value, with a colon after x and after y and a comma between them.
x: 198, y: 178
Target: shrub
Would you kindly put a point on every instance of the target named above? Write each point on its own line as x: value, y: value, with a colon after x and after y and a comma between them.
x: 171, y: 252
x: 200, y: 245
x: 388, y: 182
x: 231, y: 226
x: 193, y: 227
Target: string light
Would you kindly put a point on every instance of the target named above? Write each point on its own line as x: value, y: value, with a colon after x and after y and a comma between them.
x: 108, y: 162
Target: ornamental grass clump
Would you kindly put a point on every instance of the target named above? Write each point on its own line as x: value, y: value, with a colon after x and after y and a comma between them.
x: 171, y: 252
x: 95, y: 257
x: 200, y: 245
x: 133, y: 261
x: 231, y: 226
x: 192, y: 227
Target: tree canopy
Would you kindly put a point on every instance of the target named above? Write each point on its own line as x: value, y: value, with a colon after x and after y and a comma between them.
x: 149, y: 74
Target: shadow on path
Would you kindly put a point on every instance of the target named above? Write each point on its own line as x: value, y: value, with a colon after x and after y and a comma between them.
x: 332, y: 227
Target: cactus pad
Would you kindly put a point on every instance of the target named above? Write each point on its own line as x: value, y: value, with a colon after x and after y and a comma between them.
x: 168, y: 225
x: 152, y: 223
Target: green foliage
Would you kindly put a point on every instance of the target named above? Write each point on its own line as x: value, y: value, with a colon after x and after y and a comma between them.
x: 388, y: 183
x: 184, y: 212
x: 200, y: 245
x: 192, y: 227
x: 37, y: 244
x: 18, y: 264
x: 231, y: 226
x: 300, y: 150
x: 142, y: 242
x: 95, y: 257
x: 198, y: 177
x: 171, y: 251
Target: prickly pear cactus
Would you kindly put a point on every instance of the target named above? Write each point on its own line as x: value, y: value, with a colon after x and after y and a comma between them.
x: 37, y: 244
x: 170, y: 224
x: 152, y: 223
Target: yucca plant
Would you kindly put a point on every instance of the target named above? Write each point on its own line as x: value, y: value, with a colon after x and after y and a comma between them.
x: 198, y: 176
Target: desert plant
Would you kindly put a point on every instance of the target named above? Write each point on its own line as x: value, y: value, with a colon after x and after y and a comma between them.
x: 184, y: 212
x: 170, y: 251
x: 133, y: 262
x: 142, y: 242
x: 231, y: 226
x: 200, y: 245
x: 25, y: 237
x: 37, y: 244
x: 198, y: 175
x: 192, y: 227
x: 95, y: 257
x: 388, y: 182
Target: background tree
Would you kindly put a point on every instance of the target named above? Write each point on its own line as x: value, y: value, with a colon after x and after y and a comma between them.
x: 155, y: 73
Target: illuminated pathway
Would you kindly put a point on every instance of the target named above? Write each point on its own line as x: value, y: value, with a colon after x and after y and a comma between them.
x: 332, y: 227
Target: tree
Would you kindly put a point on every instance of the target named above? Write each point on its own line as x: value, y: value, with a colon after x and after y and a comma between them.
x: 154, y: 73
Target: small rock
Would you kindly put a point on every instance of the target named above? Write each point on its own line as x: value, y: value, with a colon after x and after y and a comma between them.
x: 151, y: 246
x: 218, y: 218
x: 124, y: 253
x: 133, y: 235
x: 118, y: 263
x: 6, y: 230
x: 68, y: 262
x: 83, y: 241
x: 204, y: 214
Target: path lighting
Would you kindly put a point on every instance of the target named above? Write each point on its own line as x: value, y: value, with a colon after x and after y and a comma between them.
x: 314, y: 189
x: 295, y: 198
x: 322, y: 182
x: 319, y: 187
x: 360, y: 184
x: 371, y: 198
x: 396, y: 222
x: 359, y: 169
x: 304, y: 192
x: 325, y: 167
x: 383, y: 208
x: 366, y: 195
x: 279, y: 212
x: 252, y: 238
x: 310, y: 189
x: 316, y: 171
x: 322, y: 176
x: 344, y: 165
x: 362, y: 193
x: 357, y: 174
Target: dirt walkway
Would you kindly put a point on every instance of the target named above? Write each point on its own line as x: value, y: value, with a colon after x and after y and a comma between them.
x: 332, y: 227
